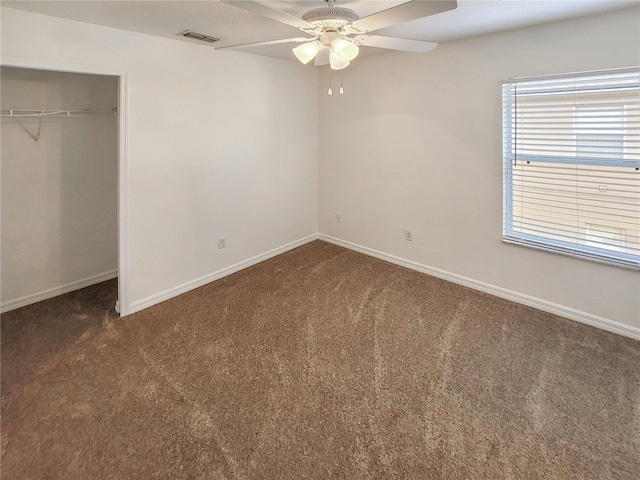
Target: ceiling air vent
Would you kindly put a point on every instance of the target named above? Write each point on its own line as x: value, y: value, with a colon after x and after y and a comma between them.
x: 198, y: 36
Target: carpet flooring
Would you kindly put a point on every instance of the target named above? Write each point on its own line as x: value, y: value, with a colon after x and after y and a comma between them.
x: 319, y: 363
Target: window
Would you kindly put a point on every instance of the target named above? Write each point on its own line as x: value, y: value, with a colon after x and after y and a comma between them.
x: 571, y: 148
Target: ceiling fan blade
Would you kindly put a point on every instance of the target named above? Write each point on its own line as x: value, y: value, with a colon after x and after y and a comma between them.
x: 269, y: 42
x: 265, y: 11
x: 405, y: 12
x: 322, y: 58
x: 393, y: 43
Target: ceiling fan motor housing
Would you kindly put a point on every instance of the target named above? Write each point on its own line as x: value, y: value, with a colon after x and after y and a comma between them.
x: 330, y: 18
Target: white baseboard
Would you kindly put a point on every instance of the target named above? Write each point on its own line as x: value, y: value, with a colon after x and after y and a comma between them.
x: 538, y: 303
x: 223, y: 272
x: 55, y: 291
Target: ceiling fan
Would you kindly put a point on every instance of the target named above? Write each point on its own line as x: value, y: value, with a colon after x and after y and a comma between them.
x: 335, y: 33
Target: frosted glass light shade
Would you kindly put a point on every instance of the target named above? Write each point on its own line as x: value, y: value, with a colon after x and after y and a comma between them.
x: 345, y: 49
x: 307, y: 51
x: 336, y: 63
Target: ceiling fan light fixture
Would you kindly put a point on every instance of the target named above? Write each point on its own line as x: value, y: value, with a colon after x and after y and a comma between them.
x: 307, y: 51
x: 345, y: 49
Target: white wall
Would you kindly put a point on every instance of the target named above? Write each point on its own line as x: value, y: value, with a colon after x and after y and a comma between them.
x: 219, y: 144
x: 415, y: 143
x: 59, y: 194
x: 224, y: 143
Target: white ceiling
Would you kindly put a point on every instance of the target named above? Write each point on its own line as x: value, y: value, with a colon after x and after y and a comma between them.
x: 236, y: 26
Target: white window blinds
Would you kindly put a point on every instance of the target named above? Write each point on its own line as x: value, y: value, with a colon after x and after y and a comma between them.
x: 571, y: 148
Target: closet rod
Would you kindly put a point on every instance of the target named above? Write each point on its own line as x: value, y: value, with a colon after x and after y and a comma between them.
x: 55, y: 113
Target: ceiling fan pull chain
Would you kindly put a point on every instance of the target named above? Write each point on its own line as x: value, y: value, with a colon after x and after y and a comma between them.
x: 330, y: 93
x: 341, y: 89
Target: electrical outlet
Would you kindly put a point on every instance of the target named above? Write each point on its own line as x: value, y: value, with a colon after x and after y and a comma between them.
x: 408, y: 235
x: 222, y: 242
x: 338, y: 217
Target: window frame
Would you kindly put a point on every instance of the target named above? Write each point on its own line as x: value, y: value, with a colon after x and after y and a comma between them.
x: 511, y: 159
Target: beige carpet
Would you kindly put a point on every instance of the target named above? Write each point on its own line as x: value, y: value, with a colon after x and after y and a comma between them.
x: 319, y: 363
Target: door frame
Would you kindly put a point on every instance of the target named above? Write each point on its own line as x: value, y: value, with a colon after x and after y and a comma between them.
x: 122, y: 303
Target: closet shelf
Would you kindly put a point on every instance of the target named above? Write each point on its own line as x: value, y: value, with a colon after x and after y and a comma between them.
x: 56, y: 113
x: 39, y: 115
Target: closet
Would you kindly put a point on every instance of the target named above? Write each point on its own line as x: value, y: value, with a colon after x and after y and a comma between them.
x: 59, y: 183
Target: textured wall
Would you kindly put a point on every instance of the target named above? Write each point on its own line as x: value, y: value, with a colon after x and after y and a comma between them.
x: 223, y: 143
x: 415, y: 143
x: 218, y: 144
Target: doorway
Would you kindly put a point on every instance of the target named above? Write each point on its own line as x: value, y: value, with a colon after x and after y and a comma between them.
x: 62, y: 186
